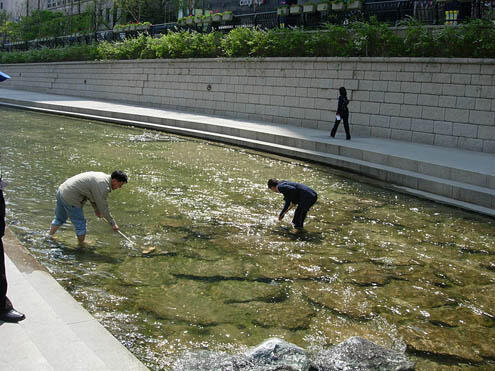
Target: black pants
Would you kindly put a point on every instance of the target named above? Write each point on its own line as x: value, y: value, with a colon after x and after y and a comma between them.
x: 345, y: 118
x: 302, y: 211
x: 5, y: 304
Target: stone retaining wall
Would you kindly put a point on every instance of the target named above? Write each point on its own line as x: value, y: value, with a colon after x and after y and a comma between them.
x: 445, y: 102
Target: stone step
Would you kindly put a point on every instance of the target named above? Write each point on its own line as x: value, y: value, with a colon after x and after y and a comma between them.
x: 53, y: 343
x: 57, y: 334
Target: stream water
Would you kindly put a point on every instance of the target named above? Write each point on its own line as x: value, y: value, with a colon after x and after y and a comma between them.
x: 225, y: 274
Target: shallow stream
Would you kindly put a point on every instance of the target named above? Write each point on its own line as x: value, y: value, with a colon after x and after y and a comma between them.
x: 225, y: 274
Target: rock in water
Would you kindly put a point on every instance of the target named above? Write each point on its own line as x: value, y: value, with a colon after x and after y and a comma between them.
x: 277, y: 354
x: 358, y: 354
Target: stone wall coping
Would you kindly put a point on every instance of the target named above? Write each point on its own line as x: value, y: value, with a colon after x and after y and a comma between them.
x: 489, y: 61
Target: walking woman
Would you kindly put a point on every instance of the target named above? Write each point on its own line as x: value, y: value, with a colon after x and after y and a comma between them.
x: 342, y: 114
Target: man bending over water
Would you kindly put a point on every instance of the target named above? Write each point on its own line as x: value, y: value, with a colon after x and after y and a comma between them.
x: 294, y: 193
x: 74, y: 192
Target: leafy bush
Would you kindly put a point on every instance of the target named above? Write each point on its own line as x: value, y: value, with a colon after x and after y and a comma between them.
x: 475, y: 39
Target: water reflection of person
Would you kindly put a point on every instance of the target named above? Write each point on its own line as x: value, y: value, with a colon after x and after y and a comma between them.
x: 7, y: 311
x: 74, y: 192
x: 294, y: 194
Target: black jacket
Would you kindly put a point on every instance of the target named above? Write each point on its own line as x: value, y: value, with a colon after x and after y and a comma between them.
x: 342, y: 107
x: 296, y: 193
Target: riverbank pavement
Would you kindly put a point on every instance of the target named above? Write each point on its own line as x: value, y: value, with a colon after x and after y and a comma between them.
x: 58, y: 334
x: 452, y: 176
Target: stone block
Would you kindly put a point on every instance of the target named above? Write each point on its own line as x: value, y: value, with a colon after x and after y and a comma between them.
x: 404, y: 135
x: 434, y: 113
x: 380, y: 121
x: 489, y: 146
x: 445, y: 140
x: 380, y: 86
x: 458, y: 78
x: 447, y: 101
x: 390, y: 109
x: 465, y: 130
x: 413, y: 67
x: 442, y: 78
x: 410, y: 87
x: 366, y: 85
x: 402, y: 179
x: 400, y: 123
x: 405, y: 76
x: 425, y: 138
x: 482, y: 117
x: 361, y: 95
x: 361, y: 130
x: 431, y: 88
x: 487, y: 92
x: 423, y: 126
x: 372, y: 75
x: 394, y: 98
x: 469, y: 177
x: 452, y: 89
x: 470, y: 144
x: 377, y: 96
x: 466, y: 102
x: 442, y: 128
x: 472, y: 196
x: 437, y: 171
x: 407, y: 110
x: 370, y: 108
x: 422, y: 76
x: 388, y: 76
x: 394, y: 87
x: 358, y: 118
x: 434, y: 187
x: 380, y: 132
x: 456, y: 115
x: 482, y: 104
x: 486, y: 132
x: 473, y: 91
x: 428, y: 100
x: 410, y: 99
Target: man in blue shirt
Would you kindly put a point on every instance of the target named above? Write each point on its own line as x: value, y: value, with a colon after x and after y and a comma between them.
x: 294, y: 194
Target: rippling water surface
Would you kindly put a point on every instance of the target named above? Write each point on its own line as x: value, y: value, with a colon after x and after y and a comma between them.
x: 225, y: 274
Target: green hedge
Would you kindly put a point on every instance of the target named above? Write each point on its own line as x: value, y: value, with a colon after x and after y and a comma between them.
x: 474, y: 40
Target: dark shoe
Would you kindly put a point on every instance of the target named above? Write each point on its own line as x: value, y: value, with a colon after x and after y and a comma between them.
x: 12, y: 316
x: 348, y: 138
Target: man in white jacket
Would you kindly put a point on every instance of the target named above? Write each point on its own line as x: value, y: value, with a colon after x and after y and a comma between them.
x: 74, y: 192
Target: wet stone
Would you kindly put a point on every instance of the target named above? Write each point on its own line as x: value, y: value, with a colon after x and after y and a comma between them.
x: 360, y: 354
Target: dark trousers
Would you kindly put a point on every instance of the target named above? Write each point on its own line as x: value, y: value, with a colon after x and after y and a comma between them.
x: 5, y: 304
x: 345, y: 118
x: 302, y: 210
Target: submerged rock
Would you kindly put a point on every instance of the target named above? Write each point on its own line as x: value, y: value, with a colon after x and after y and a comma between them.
x: 354, y: 354
x: 358, y: 354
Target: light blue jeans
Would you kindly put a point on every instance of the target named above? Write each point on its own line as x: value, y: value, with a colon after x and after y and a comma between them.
x: 74, y: 213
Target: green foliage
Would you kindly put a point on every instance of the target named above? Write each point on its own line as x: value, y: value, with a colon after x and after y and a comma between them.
x: 475, y: 39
